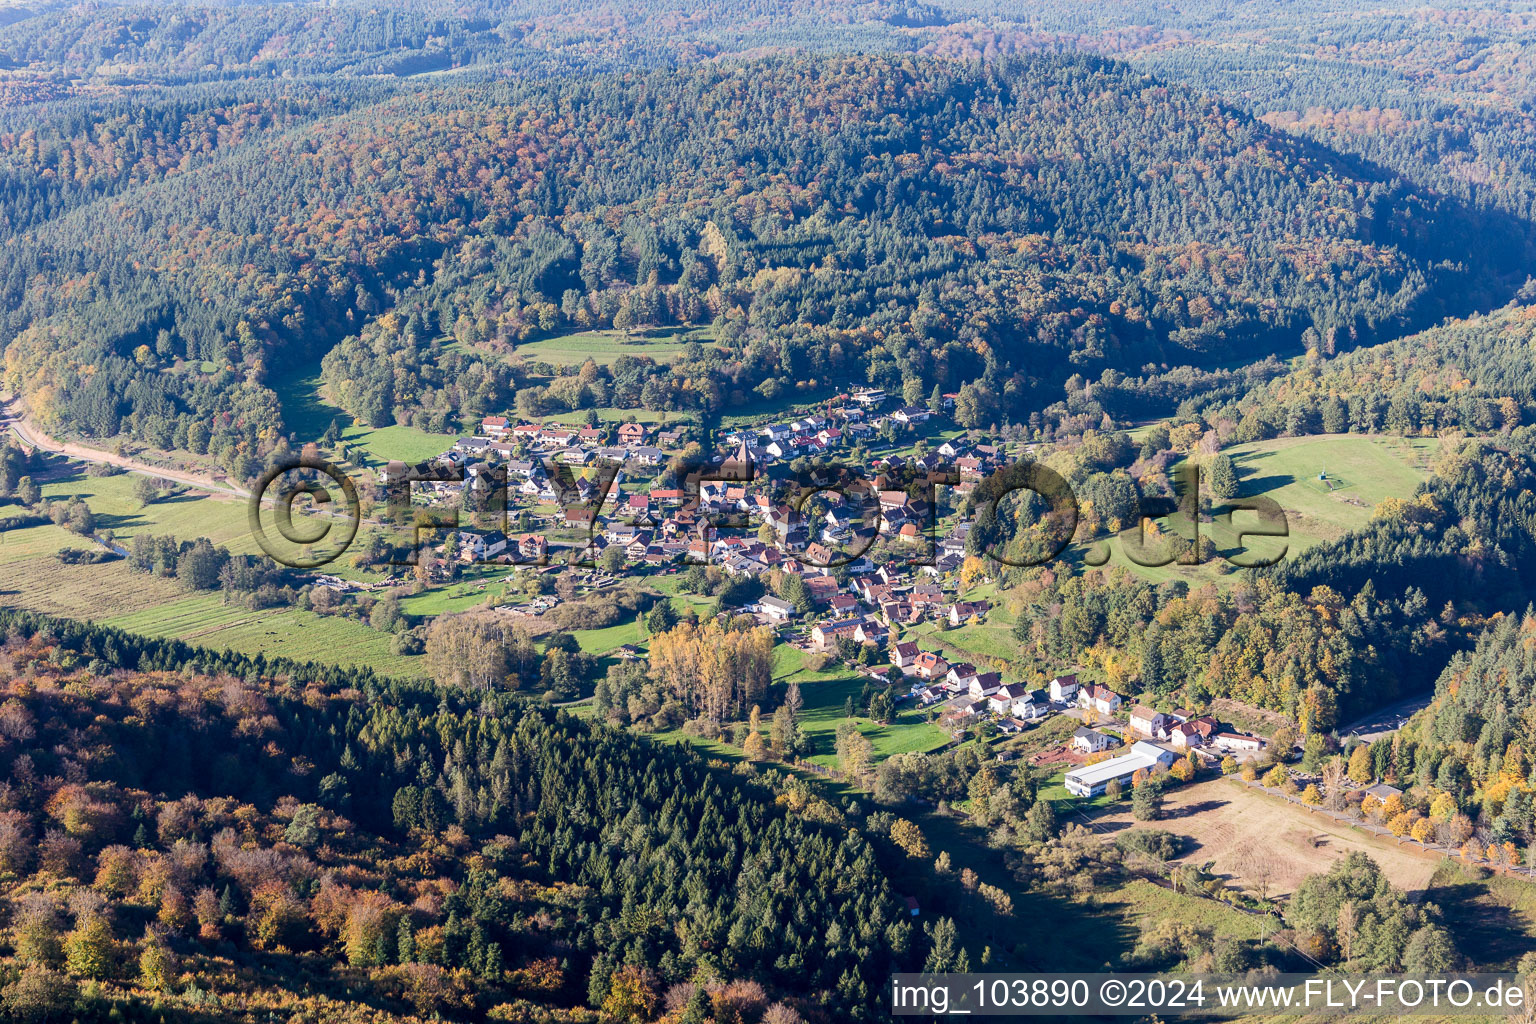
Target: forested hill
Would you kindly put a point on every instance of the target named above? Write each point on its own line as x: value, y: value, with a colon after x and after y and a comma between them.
x: 1474, y: 374
x: 909, y: 222
x: 416, y: 856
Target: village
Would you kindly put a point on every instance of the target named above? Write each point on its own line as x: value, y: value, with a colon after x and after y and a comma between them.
x: 859, y: 569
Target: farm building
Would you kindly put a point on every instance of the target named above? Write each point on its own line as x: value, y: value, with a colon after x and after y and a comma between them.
x: 1091, y: 779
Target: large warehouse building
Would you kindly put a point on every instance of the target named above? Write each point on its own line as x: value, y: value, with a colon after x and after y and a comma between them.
x: 1091, y: 779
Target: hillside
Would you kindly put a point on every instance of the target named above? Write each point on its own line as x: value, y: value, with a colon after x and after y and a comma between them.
x: 238, y: 846
x: 915, y: 224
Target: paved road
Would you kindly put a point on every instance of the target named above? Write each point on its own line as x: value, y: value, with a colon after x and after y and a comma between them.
x: 11, y: 419
x: 1387, y: 720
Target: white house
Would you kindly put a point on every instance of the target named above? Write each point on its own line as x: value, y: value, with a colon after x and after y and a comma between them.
x: 1149, y: 722
x: 1100, y: 698
x: 1090, y: 741
x: 776, y: 609
x: 1185, y: 736
x: 1237, y: 742
x: 1064, y: 689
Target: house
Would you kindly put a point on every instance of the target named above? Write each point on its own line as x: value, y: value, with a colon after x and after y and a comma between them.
x: 1238, y: 743
x: 1185, y: 736
x: 1100, y: 698
x: 960, y: 676
x: 648, y: 456
x: 1004, y: 697
x: 1381, y: 791
x: 1091, y: 780
x: 869, y: 397
x: 1063, y: 689
x: 494, y: 426
x: 1090, y: 741
x: 1148, y: 722
x: 904, y: 655
x: 533, y: 547
x: 1206, y: 726
x: 825, y: 635
x: 986, y: 684
x: 929, y: 665
x: 870, y: 632
x: 476, y: 547
x: 910, y: 415
x: 776, y: 609
x: 965, y: 707
x: 822, y: 589
x: 963, y: 611
x: 620, y: 533
x: 843, y: 604
x: 580, y: 517
x: 631, y: 433
x: 1032, y: 705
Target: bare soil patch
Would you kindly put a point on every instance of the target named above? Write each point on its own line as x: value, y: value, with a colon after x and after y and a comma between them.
x: 1245, y: 834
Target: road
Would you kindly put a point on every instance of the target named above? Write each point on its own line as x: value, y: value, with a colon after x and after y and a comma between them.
x: 13, y: 419
x: 1387, y: 720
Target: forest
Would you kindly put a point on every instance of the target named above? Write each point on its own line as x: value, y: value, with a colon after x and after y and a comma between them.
x: 904, y: 222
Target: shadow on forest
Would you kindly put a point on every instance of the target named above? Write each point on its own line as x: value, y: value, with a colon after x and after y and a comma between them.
x: 1490, y: 934
x: 1080, y: 938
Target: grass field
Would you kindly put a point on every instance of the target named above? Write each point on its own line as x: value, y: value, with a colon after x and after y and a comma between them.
x: 189, y: 514
x: 1220, y: 818
x: 823, y: 713
x: 1360, y: 471
x: 1148, y: 905
x: 605, y: 347
x: 601, y: 641
x: 204, y: 620
x: 307, y: 413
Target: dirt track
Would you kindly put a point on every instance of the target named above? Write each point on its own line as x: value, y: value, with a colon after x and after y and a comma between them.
x: 13, y: 418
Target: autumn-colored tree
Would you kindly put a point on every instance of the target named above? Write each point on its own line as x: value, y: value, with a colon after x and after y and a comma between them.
x: 1276, y: 777
x: 631, y: 996
x: 909, y: 838
x: 277, y: 917
x: 175, y: 909
x: 116, y: 871
x: 372, y: 920
x: 754, y: 746
x: 1360, y: 768
x: 36, y: 935
x: 206, y: 906
x: 88, y: 949
x: 157, y: 969
x: 716, y: 672
x: 1312, y: 796
x: 997, y: 899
